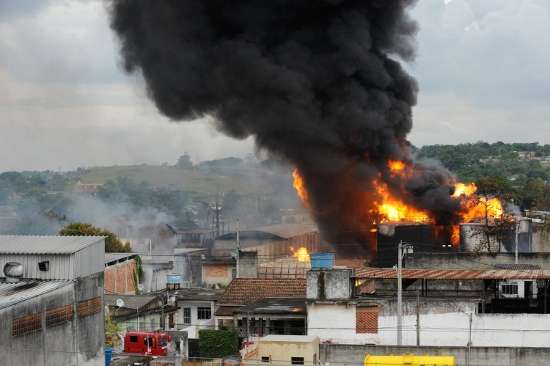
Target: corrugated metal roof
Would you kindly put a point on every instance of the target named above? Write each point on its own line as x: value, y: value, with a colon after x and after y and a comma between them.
x: 283, y: 231
x: 30, y: 244
x: 13, y: 293
x: 115, y: 257
x: 454, y: 274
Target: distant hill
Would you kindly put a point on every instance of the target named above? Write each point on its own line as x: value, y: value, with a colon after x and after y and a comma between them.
x: 201, y: 180
x: 516, y: 162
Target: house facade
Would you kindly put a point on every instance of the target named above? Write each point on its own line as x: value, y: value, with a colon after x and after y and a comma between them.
x: 440, y: 307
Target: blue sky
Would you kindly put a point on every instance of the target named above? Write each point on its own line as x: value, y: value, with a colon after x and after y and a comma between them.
x: 482, y: 66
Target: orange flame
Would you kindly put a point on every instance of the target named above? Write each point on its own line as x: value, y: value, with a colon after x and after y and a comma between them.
x: 392, y: 209
x: 301, y: 254
x: 462, y: 189
x: 455, y: 236
x: 298, y: 184
x: 482, y: 208
x: 396, y: 166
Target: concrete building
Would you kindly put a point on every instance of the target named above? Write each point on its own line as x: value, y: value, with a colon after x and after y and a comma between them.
x: 51, y: 300
x: 441, y: 307
x: 218, y: 272
x: 270, y: 241
x: 285, y: 350
x: 158, y: 265
x: 196, y: 307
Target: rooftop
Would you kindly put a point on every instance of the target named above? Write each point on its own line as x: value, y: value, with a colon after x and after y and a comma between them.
x: 244, y: 291
x: 111, y: 258
x: 454, y: 274
x: 130, y: 301
x: 13, y: 293
x: 276, y: 305
x: 200, y: 294
x: 30, y: 244
x: 280, y: 231
x: 289, y: 338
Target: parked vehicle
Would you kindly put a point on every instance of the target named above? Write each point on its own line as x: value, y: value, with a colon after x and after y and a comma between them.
x: 147, y: 343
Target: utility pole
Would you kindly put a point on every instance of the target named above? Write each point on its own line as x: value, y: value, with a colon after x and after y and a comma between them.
x: 217, y: 214
x: 517, y: 242
x: 238, y: 249
x: 469, y: 341
x: 417, y: 318
x: 400, y: 247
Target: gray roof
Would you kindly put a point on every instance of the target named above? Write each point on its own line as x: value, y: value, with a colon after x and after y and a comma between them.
x: 13, y: 293
x: 130, y: 301
x: 280, y: 231
x: 115, y: 257
x: 30, y: 244
x: 198, y: 294
x: 276, y: 305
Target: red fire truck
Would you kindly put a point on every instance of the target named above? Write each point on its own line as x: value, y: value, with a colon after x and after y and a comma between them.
x: 146, y: 343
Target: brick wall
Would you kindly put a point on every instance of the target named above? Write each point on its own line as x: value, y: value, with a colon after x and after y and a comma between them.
x: 366, y: 319
x: 119, y: 278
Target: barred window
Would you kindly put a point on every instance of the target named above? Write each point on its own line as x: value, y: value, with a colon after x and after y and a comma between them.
x: 89, y: 307
x: 204, y: 313
x: 510, y: 289
x: 186, y: 316
x: 60, y: 315
x: 26, y: 324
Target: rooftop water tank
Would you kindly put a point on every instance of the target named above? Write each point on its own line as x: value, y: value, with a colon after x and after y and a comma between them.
x: 322, y: 260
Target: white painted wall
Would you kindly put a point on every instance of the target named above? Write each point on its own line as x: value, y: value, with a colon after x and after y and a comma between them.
x: 336, y: 323
x: 196, y: 323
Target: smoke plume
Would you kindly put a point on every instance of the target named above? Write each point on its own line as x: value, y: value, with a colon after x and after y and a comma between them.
x: 314, y: 81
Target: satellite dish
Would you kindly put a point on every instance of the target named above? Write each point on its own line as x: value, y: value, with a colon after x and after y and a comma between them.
x: 119, y: 303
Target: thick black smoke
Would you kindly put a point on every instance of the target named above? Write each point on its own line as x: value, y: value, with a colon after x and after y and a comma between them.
x: 314, y: 81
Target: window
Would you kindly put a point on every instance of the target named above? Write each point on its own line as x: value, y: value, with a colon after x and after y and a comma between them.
x: 133, y: 338
x: 297, y: 360
x: 171, y: 323
x: 148, y: 341
x: 204, y: 313
x: 265, y: 359
x: 510, y: 289
x: 186, y: 315
x: 44, y: 266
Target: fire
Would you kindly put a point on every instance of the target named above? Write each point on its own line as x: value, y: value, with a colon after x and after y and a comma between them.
x: 477, y: 207
x: 298, y: 184
x: 396, y: 166
x: 455, y: 235
x: 483, y: 208
x: 462, y: 189
x: 301, y: 254
x: 392, y: 209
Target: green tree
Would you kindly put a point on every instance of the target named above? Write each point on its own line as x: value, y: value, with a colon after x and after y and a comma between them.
x: 217, y: 343
x: 112, y: 243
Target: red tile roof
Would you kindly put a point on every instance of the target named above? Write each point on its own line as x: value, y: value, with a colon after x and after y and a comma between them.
x: 244, y: 291
x: 454, y: 274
